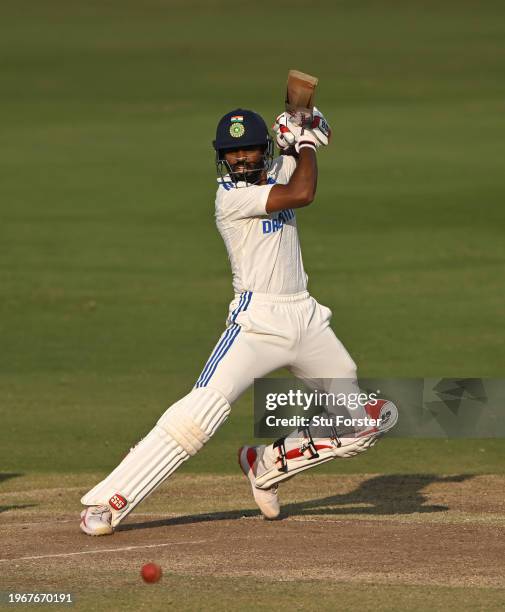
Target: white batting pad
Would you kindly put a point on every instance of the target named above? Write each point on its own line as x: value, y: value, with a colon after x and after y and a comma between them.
x: 180, y: 433
x: 281, y: 464
x: 299, y: 451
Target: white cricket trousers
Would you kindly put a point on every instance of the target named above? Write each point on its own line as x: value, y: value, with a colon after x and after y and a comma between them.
x: 266, y: 332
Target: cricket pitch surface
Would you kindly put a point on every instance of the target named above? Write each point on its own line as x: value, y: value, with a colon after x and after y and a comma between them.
x: 406, y: 542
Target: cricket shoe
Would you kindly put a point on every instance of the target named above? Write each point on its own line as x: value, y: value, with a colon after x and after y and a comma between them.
x: 385, y: 413
x: 249, y: 459
x: 96, y: 521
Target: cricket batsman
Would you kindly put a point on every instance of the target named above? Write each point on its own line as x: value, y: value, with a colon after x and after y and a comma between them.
x: 273, y: 322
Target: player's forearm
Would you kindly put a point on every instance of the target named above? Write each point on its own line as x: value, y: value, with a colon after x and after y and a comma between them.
x: 304, y: 178
x: 301, y: 189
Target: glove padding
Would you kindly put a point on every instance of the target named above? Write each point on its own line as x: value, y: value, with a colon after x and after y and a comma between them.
x: 284, y: 137
x: 314, y: 134
x: 289, y: 135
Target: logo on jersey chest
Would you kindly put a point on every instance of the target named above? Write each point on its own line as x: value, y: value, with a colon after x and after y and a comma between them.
x: 274, y: 225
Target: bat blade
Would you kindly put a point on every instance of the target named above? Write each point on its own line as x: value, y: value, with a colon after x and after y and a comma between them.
x: 300, y: 94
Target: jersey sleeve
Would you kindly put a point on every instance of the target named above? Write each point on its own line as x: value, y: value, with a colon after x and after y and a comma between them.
x: 282, y: 169
x: 287, y: 168
x: 242, y: 203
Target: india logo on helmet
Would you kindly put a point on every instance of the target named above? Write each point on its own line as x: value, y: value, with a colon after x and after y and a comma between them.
x: 237, y: 130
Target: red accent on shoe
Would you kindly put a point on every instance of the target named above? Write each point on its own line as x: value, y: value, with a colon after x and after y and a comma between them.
x: 251, y: 456
x: 117, y: 501
x: 373, y: 410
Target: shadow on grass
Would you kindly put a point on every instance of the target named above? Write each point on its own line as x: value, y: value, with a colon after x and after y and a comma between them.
x: 8, y: 475
x: 380, y: 495
x: 16, y: 507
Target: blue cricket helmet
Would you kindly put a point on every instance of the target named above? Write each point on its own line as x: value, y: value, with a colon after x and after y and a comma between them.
x: 240, y: 129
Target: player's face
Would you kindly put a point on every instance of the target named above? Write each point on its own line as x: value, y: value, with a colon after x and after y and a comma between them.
x: 246, y: 159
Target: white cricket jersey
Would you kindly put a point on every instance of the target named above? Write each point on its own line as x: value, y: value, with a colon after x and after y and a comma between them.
x: 264, y: 249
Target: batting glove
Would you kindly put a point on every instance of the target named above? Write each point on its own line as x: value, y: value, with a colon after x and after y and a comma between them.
x: 307, y: 140
x: 284, y: 137
x: 320, y: 127
x: 314, y: 134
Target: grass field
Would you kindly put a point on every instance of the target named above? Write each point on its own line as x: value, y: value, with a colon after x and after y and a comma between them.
x: 114, y: 283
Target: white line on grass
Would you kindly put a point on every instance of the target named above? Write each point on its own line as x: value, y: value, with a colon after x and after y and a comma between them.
x: 104, y: 550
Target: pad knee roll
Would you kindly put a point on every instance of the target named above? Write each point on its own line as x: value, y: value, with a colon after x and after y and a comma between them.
x: 195, y: 418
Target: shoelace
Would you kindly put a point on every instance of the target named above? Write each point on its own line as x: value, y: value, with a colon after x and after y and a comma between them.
x: 100, y: 511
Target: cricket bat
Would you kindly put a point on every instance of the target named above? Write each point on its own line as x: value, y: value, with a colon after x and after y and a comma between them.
x: 300, y: 94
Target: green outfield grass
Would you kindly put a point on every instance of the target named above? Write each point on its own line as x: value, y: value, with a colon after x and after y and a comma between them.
x: 189, y: 593
x: 114, y: 283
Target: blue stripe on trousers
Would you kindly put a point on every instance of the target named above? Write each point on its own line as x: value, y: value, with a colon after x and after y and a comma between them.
x: 217, y: 354
x: 224, y: 350
x: 211, y: 359
x: 248, y: 296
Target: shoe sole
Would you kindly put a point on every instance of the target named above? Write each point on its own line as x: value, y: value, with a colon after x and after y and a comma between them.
x: 85, y: 530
